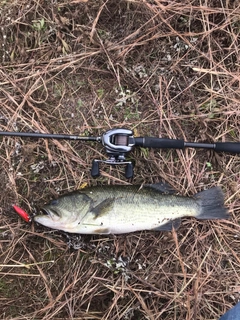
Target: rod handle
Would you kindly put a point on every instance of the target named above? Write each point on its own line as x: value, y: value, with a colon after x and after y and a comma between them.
x: 151, y: 142
x: 231, y: 147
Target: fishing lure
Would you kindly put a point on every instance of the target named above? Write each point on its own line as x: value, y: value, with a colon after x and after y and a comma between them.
x: 23, y: 214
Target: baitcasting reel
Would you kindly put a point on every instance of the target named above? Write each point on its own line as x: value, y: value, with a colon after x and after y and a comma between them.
x: 117, y: 143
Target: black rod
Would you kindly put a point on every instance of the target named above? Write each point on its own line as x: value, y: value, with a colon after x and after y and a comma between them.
x: 48, y: 136
x: 145, y: 142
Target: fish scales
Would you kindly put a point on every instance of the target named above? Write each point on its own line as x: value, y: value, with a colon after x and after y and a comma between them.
x: 123, y: 209
x: 128, y: 210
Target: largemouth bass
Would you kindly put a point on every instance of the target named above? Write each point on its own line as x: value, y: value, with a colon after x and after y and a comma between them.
x: 122, y: 209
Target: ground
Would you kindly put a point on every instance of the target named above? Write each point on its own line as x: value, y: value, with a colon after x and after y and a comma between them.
x: 161, y: 68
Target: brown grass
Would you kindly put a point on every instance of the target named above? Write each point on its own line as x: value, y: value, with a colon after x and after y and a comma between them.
x: 162, y: 68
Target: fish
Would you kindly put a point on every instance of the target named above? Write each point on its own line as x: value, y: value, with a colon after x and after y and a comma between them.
x: 119, y: 209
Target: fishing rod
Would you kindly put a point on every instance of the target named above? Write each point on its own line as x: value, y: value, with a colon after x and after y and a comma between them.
x: 119, y: 142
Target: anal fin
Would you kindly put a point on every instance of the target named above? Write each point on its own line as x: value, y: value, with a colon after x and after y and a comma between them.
x: 169, y: 225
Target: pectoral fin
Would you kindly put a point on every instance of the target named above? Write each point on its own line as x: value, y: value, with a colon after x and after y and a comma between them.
x: 169, y: 225
x: 103, y: 207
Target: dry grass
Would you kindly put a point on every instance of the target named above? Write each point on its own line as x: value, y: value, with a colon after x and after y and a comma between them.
x: 163, y: 68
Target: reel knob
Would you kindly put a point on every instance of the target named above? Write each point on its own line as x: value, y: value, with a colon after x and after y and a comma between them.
x: 129, y: 170
x: 95, y: 171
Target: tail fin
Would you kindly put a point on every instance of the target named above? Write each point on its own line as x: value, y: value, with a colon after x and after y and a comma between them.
x: 211, y: 202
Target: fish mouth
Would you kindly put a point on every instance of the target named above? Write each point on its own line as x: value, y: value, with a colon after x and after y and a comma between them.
x: 49, y: 212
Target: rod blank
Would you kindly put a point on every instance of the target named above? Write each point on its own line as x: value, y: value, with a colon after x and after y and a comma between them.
x: 48, y: 136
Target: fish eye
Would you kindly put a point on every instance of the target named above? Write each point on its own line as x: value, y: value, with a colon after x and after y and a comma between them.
x: 54, y: 202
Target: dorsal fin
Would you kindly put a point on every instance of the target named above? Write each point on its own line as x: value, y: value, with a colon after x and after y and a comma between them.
x: 162, y: 187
